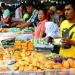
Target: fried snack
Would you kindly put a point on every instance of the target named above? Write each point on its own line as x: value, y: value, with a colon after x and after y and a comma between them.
x: 4, y: 68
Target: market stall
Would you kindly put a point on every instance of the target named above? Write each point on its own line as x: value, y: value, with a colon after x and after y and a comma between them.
x: 29, y: 56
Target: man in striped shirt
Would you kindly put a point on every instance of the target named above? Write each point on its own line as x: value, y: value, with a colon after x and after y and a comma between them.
x: 31, y: 22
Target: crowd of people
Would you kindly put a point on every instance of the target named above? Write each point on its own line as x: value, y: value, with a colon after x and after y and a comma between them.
x: 49, y: 22
x: 37, y: 18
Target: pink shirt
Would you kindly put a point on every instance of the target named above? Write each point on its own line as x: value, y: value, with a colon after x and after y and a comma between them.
x: 40, y: 28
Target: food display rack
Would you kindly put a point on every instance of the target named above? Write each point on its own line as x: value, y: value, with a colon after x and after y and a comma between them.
x: 45, y: 72
x: 41, y: 72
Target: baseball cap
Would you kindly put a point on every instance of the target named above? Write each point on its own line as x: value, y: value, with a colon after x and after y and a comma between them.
x: 53, y: 8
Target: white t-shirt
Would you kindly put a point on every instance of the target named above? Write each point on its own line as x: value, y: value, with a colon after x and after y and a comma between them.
x: 18, y: 13
x: 51, y: 29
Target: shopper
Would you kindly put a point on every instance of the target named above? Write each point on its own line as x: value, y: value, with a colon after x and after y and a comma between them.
x: 51, y: 29
x: 67, y: 31
x: 53, y: 16
x: 60, y: 13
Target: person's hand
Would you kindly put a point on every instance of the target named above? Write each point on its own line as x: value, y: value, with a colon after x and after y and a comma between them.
x: 5, y: 20
x: 50, y: 39
x: 66, y: 41
x: 20, y: 26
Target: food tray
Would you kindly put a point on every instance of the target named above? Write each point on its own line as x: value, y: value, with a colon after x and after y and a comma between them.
x: 44, y: 47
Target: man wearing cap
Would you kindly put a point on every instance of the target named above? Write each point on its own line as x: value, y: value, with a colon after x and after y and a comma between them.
x: 53, y: 16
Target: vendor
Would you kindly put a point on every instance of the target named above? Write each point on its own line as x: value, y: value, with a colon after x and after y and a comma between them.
x: 32, y: 21
x: 6, y: 19
x: 40, y: 29
x: 67, y: 31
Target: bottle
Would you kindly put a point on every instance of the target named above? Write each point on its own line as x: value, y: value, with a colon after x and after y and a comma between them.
x: 65, y: 35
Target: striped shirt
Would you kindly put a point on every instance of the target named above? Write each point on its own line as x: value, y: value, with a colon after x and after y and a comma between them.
x: 33, y: 17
